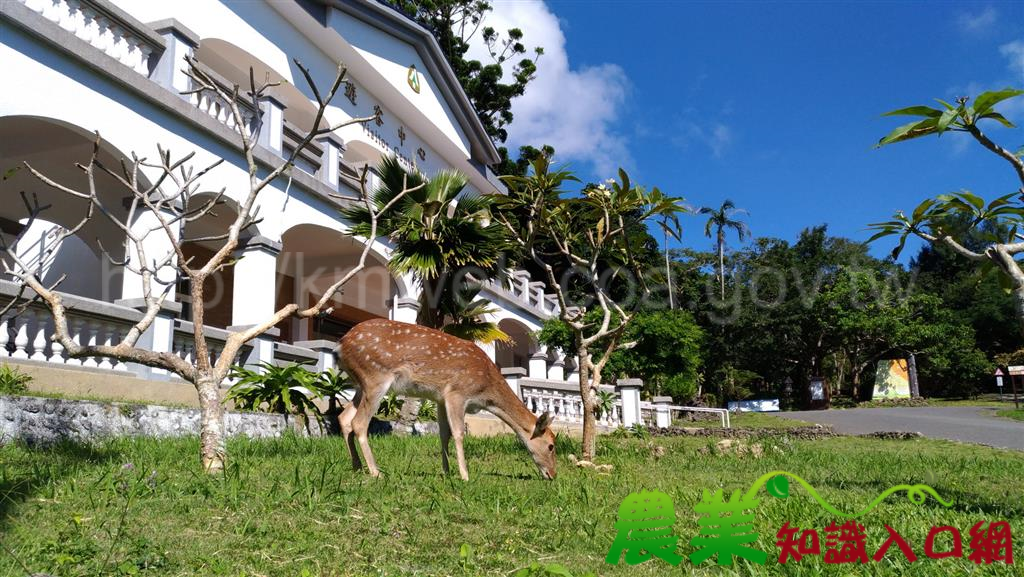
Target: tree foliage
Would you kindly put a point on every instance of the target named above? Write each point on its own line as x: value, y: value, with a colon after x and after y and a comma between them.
x: 947, y: 219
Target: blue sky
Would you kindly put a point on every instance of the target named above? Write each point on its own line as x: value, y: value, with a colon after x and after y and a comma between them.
x: 776, y: 106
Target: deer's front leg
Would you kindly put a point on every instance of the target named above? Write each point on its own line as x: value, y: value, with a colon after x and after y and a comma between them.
x: 456, y: 409
x: 445, y: 432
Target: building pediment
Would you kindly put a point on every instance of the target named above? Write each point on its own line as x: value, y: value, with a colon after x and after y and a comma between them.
x: 410, y: 61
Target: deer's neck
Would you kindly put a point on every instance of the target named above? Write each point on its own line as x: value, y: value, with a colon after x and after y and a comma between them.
x: 509, y: 408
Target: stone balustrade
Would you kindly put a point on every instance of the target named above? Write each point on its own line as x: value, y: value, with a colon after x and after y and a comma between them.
x: 104, y: 26
x: 562, y: 399
x: 219, y: 109
x: 28, y: 336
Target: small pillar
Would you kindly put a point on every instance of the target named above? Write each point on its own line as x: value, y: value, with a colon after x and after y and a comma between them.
x: 629, y: 394
x: 662, y: 414
x: 512, y: 376
x: 556, y: 372
x: 326, y: 353
x: 159, y: 337
x: 181, y: 42
x: 405, y: 309
x: 271, y: 134
x: 539, y: 364
x: 330, y: 169
x: 262, y: 346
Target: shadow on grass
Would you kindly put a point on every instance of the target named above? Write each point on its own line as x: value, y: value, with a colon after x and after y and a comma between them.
x: 51, y: 464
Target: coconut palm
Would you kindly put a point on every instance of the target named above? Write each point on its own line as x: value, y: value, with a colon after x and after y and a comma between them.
x: 442, y: 235
x: 720, y: 220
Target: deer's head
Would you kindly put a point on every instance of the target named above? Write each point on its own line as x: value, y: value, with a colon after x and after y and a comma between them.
x: 541, y: 445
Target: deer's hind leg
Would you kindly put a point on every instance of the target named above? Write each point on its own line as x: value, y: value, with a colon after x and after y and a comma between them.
x: 456, y: 411
x: 445, y: 432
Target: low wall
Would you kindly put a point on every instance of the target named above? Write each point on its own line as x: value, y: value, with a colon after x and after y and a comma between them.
x: 38, y: 420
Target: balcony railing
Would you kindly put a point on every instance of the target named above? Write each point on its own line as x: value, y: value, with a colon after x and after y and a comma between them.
x: 104, y: 26
x: 28, y: 336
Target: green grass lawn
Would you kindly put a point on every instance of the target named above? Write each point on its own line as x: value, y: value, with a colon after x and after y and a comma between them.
x: 1016, y: 414
x: 751, y: 420
x: 293, y: 507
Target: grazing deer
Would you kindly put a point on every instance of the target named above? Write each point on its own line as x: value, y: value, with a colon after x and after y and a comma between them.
x: 382, y: 355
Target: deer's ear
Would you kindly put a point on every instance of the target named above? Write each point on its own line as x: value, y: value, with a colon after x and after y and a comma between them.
x: 542, y: 423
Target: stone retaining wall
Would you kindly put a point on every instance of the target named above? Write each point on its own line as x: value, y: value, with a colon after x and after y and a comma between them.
x: 38, y: 420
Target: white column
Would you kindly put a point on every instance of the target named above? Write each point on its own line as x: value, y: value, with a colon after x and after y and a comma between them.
x: 42, y: 317
x: 629, y: 393
x: 539, y: 363
x: 254, y: 297
x: 574, y: 371
x: 157, y: 246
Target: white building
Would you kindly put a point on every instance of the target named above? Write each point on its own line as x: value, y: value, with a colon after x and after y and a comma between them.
x: 73, y: 67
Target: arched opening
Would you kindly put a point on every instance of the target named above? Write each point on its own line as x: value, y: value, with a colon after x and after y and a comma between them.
x: 233, y: 64
x: 313, y: 258
x: 54, y: 148
x: 201, y: 240
x: 517, y: 352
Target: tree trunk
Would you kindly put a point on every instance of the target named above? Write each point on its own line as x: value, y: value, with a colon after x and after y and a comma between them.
x: 721, y: 262
x: 668, y: 275
x: 915, y: 391
x: 587, y: 384
x: 855, y: 388
x: 1018, y: 302
x: 211, y: 425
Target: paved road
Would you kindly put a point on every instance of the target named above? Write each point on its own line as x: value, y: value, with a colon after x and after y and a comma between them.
x: 969, y: 424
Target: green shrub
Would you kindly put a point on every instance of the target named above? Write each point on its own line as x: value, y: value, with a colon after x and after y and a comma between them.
x: 390, y: 406
x: 288, y: 390
x: 605, y: 403
x: 13, y: 381
x: 333, y: 384
x: 428, y: 411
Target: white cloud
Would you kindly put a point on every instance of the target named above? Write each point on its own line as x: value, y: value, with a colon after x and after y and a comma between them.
x: 716, y: 136
x: 1014, y: 53
x: 572, y: 109
x: 979, y: 22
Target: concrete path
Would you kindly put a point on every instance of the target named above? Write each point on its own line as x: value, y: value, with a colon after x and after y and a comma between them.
x: 968, y: 424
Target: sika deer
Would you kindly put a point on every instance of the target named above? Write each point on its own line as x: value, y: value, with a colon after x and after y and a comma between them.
x: 382, y: 355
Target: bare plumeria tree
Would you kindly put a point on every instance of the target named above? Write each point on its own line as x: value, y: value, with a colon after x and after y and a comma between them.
x: 163, y: 209
x: 590, y: 236
x: 946, y: 219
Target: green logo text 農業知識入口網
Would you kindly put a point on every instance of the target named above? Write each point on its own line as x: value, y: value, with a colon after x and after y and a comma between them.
x: 644, y: 530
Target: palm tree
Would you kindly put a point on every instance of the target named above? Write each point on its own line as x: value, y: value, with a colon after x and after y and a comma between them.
x: 719, y: 221
x: 439, y: 232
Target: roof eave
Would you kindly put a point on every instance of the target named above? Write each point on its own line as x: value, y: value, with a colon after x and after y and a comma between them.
x: 392, y: 22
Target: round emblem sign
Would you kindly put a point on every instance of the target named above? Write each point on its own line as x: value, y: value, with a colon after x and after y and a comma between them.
x: 414, y: 79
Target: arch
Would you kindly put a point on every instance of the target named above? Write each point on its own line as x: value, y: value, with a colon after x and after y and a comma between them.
x: 197, y: 244
x: 518, y: 352
x: 54, y: 147
x: 359, y: 153
x: 233, y: 63
x: 313, y: 257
